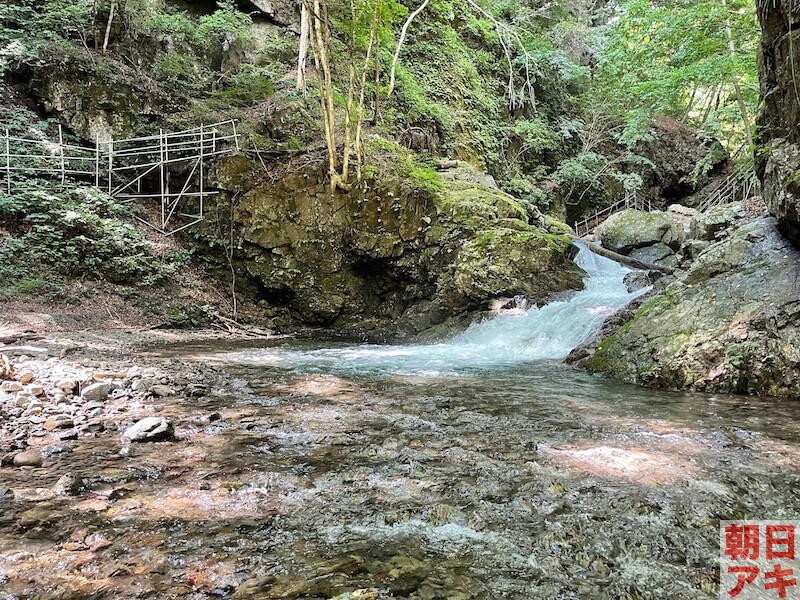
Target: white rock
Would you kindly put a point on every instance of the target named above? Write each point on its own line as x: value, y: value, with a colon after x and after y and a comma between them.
x: 162, y: 390
x: 149, y: 429
x: 97, y: 392
x: 144, y: 384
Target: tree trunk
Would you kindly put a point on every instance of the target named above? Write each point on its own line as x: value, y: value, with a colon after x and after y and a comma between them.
x: 403, y: 33
x: 737, y: 88
x: 373, y: 31
x: 108, y: 25
x: 302, y: 53
x: 320, y: 42
x: 622, y: 259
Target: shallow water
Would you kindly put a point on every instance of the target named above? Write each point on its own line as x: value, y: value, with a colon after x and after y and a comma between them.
x: 421, y: 472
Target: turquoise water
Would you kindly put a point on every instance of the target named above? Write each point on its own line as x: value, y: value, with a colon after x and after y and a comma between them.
x: 507, y: 340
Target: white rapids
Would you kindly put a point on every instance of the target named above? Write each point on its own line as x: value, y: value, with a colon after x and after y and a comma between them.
x: 546, y: 333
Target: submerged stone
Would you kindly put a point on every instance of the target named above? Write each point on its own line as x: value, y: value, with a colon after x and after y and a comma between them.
x: 149, y: 429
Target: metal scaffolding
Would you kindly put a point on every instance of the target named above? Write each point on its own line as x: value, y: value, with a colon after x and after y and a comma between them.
x: 169, y: 168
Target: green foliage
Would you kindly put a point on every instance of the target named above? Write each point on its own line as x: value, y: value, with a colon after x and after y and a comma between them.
x: 177, y: 69
x: 80, y: 233
x: 674, y: 59
x: 225, y: 25
x: 390, y: 161
x: 247, y: 87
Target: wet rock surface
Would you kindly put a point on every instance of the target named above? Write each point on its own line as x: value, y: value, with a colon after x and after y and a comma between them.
x: 632, y: 229
x: 149, y: 429
x: 539, y: 482
x: 729, y: 323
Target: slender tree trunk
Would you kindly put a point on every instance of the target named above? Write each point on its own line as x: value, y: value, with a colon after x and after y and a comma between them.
x: 302, y: 53
x: 94, y: 23
x: 403, y: 33
x: 377, y: 107
x: 108, y: 25
x: 359, y: 124
x: 736, y: 86
x: 318, y: 30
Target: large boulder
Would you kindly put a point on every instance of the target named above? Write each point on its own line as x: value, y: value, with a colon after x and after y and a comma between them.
x: 731, y: 323
x: 715, y: 222
x: 394, y: 257
x: 630, y: 229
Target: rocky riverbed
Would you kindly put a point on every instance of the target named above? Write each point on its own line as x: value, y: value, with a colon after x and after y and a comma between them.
x: 283, y: 477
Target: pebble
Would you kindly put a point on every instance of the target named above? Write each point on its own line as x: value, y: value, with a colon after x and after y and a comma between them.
x: 29, y: 458
x: 26, y: 377
x: 59, y: 422
x: 67, y: 385
x: 24, y: 400
x: 144, y: 384
x: 69, y: 484
x: 97, y: 392
x: 149, y: 429
x: 162, y: 390
x: 35, y: 390
x: 10, y: 386
x: 71, y: 434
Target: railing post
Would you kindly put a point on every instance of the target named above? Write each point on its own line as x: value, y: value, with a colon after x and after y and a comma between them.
x: 161, y: 175
x: 97, y: 161
x: 202, y: 173
x: 110, y: 164
x: 61, y: 149
x: 235, y: 135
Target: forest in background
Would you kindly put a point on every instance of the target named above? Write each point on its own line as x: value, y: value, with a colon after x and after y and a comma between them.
x: 563, y: 103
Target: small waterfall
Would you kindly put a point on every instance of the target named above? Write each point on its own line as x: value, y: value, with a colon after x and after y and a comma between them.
x: 511, y: 338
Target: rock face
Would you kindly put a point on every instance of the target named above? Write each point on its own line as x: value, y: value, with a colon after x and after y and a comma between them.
x: 631, y: 229
x: 389, y: 259
x: 674, y: 151
x: 707, y: 227
x: 778, y: 160
x: 731, y: 323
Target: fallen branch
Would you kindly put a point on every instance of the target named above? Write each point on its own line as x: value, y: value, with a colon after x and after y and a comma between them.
x: 622, y: 259
x: 20, y: 350
x: 234, y: 327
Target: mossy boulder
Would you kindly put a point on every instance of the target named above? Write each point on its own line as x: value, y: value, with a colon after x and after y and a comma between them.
x: 729, y: 324
x: 389, y: 258
x: 631, y: 229
x: 712, y: 224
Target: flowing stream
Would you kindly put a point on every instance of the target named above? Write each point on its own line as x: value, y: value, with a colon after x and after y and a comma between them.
x: 478, y: 468
x: 506, y: 341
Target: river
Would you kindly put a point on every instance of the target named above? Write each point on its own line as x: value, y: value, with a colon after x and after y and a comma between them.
x: 478, y: 468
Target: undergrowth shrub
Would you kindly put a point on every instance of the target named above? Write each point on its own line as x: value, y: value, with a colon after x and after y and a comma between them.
x: 81, y: 233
